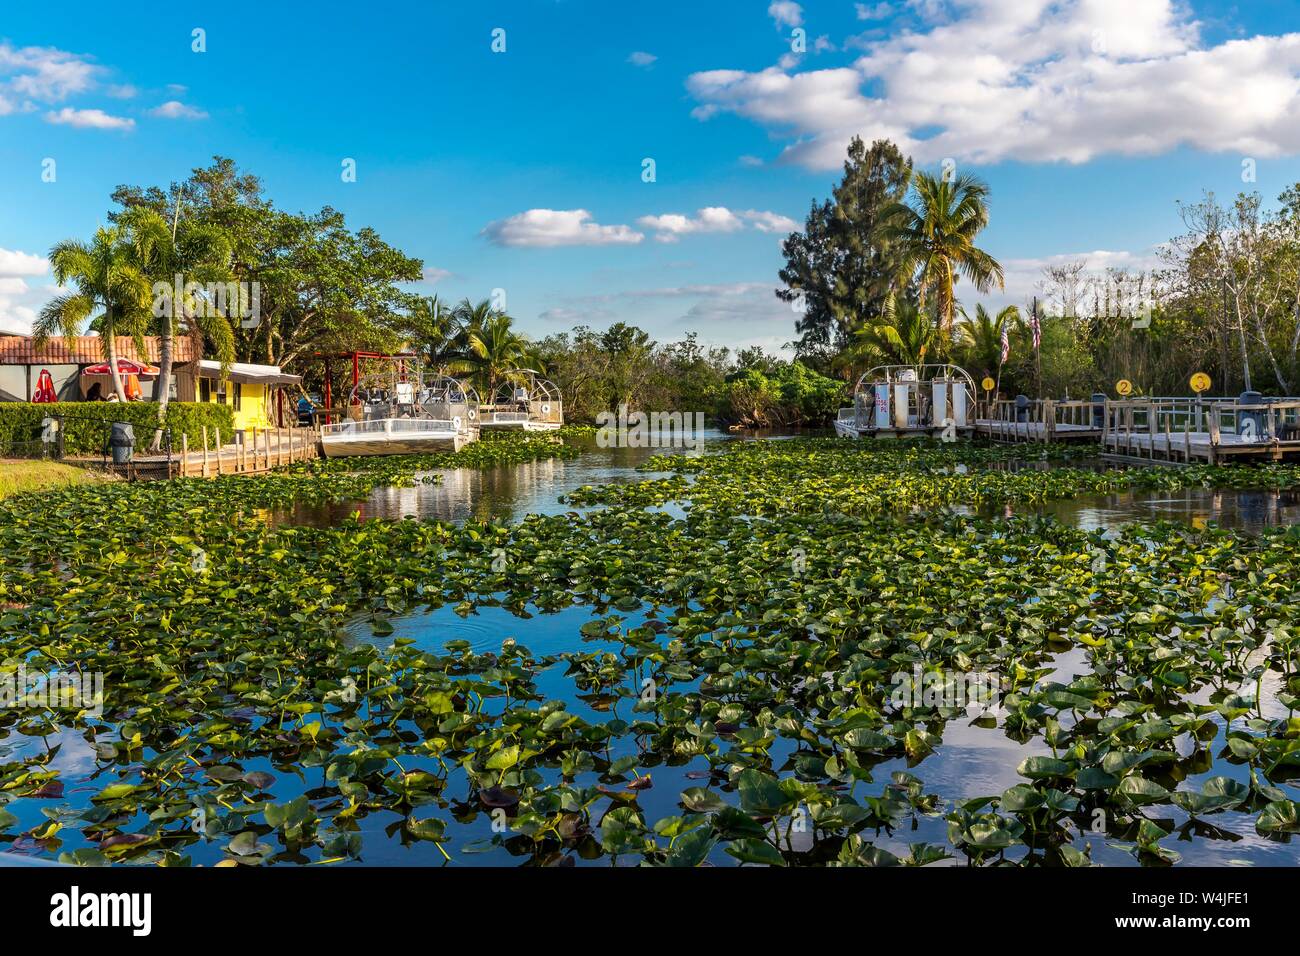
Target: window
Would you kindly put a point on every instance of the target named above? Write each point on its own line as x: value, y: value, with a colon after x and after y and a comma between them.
x: 205, y: 390
x: 237, y: 394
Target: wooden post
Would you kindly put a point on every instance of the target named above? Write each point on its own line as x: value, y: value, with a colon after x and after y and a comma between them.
x: 241, y: 456
x: 1215, y: 437
x: 1151, y: 428
x: 266, y: 440
x: 185, y: 452
x: 254, y: 431
x: 1049, y: 420
x: 205, y: 451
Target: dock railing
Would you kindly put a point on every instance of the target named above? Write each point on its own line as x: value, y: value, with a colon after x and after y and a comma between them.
x: 1039, y: 419
x: 1187, y: 429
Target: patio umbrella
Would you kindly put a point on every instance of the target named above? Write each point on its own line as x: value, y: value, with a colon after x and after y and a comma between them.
x: 44, y: 394
x: 124, y: 367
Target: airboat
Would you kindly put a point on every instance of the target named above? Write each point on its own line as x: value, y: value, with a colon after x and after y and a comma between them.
x: 524, y: 401
x: 401, y: 410
x: 901, y: 401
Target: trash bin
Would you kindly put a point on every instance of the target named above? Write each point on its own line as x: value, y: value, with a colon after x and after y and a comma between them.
x: 1098, y: 409
x: 1022, y: 408
x: 122, y: 442
x: 1252, y: 425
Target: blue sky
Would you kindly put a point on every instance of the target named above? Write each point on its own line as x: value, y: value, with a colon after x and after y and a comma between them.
x: 523, y: 170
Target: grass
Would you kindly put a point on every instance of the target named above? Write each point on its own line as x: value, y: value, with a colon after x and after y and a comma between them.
x: 17, y: 477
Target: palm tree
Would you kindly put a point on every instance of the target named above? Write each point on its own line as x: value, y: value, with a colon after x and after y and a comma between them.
x: 106, y: 278
x: 905, y: 335
x: 935, y: 236
x: 184, y: 252
x: 980, y: 338
x: 435, y: 332
x: 494, y: 347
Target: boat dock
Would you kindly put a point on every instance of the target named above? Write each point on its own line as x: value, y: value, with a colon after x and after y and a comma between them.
x: 253, y: 452
x: 1040, y: 420
x: 1206, y: 431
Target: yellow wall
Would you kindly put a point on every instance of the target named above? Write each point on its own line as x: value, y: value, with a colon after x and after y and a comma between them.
x: 254, y: 408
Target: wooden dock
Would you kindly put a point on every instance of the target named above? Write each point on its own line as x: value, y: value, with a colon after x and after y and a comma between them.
x: 1205, y: 431
x: 1040, y: 420
x: 254, y: 451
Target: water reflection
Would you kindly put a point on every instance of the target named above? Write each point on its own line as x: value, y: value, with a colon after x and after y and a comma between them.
x: 507, y: 493
x: 1198, y: 507
x: 510, y: 492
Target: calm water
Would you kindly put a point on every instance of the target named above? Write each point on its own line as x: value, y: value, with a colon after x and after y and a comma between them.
x: 972, y: 761
x: 510, y: 492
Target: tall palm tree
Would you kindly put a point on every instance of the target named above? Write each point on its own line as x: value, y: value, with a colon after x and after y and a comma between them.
x: 184, y: 251
x: 494, y: 347
x: 434, y: 331
x: 105, y: 278
x: 935, y: 235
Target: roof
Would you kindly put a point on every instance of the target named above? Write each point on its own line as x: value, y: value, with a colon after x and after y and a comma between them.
x: 86, y: 350
x: 248, y: 373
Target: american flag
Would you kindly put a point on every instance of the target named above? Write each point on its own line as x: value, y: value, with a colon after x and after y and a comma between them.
x: 1006, y: 345
x: 1034, y: 327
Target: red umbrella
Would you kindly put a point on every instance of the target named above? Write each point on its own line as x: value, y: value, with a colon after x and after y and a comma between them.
x: 44, y: 394
x: 124, y: 367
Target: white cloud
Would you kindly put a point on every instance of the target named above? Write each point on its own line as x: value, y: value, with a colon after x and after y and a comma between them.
x: 122, y: 91
x: 1041, y: 80
x: 876, y: 11
x: 640, y: 58
x: 18, y: 301
x: 88, y: 119
x: 433, y: 275
x: 567, y: 317
x: 1023, y: 277
x: 672, y: 226
x: 750, y: 161
x: 765, y: 221
x: 33, y: 74
x: 785, y: 13
x: 16, y: 263
x: 175, y: 109
x: 540, y: 228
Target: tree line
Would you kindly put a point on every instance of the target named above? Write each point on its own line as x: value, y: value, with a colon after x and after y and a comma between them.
x: 322, y: 287
x: 888, y: 269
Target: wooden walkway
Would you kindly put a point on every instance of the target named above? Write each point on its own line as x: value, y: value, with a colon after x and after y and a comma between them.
x: 1039, y: 420
x: 1011, y: 431
x: 262, y: 450
x: 1208, y: 431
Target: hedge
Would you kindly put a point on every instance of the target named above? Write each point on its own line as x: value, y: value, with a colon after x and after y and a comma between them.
x: 86, y: 424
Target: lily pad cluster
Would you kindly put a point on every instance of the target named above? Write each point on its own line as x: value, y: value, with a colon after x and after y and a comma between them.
x: 733, y: 695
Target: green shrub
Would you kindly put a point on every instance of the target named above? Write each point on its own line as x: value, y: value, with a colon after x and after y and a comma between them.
x: 86, y: 424
x: 784, y: 394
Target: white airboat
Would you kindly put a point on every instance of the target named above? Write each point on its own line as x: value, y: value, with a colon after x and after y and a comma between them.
x: 524, y: 401
x: 900, y: 401
x: 399, y: 410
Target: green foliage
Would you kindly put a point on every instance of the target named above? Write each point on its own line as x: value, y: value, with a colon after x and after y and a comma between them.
x: 86, y: 424
x: 248, y: 720
x: 840, y: 269
x: 786, y: 393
